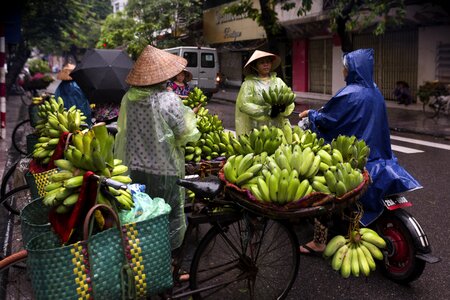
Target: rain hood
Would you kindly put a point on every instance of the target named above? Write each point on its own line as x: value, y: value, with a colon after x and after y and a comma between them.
x: 359, y: 109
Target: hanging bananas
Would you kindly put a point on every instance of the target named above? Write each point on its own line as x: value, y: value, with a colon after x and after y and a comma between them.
x: 357, y: 254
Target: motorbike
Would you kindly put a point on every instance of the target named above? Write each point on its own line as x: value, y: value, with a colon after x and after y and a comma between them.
x: 408, y: 248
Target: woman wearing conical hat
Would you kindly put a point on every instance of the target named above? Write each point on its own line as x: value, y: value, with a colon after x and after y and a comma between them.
x: 251, y: 109
x: 153, y: 126
x: 71, y: 92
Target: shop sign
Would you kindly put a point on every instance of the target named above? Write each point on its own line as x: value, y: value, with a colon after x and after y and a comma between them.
x: 219, y: 27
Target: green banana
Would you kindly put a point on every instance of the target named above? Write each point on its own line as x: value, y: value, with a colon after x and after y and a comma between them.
x: 346, y: 264
x: 355, y: 262
x: 333, y: 245
x: 74, y: 182
x: 71, y: 200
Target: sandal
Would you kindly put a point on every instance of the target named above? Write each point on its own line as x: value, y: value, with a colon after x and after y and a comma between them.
x: 310, y: 251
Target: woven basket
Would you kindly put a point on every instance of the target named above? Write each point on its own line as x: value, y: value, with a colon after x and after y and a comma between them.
x: 32, y: 183
x: 93, y: 268
x: 34, y: 220
x: 42, y: 180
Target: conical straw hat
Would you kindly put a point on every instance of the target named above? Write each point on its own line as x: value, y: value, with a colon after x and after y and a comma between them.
x: 260, y: 54
x: 64, y: 73
x: 155, y: 66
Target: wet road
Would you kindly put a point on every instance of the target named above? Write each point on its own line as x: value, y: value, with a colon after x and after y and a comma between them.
x: 428, y: 159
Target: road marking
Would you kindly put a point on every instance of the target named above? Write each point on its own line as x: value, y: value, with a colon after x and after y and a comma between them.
x: 405, y: 149
x: 419, y: 142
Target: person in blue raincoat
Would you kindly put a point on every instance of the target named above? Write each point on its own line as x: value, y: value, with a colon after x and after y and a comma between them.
x: 359, y: 109
x: 71, y: 93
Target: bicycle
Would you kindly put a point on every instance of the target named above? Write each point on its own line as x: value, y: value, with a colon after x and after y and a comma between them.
x: 241, y: 255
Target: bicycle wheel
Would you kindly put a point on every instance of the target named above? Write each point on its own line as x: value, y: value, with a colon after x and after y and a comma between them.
x: 19, y: 136
x: 16, y: 199
x: 14, y: 282
x: 253, y: 258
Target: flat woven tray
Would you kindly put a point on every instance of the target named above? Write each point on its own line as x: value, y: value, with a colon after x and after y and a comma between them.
x: 312, y: 205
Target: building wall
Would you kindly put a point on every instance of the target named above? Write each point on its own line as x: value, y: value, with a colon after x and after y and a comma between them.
x: 429, y: 39
x: 118, y: 5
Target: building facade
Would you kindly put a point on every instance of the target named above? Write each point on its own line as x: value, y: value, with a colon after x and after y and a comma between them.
x: 416, y: 52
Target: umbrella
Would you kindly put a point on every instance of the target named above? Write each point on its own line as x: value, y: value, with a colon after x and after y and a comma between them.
x: 101, y: 75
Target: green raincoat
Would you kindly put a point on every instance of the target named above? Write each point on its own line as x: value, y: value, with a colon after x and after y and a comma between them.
x: 153, y: 126
x: 252, y: 111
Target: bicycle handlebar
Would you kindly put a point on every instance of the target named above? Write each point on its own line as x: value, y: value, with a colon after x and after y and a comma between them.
x: 110, y: 182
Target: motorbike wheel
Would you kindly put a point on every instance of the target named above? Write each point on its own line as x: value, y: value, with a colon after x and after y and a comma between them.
x: 401, y: 264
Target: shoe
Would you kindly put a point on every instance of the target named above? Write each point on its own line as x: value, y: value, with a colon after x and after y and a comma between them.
x: 310, y: 252
x: 183, y: 276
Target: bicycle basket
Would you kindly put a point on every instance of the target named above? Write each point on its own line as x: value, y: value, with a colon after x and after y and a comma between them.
x: 42, y: 179
x: 94, y: 267
x: 34, y: 220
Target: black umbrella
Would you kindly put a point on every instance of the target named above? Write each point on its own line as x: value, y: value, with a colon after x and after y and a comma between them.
x: 101, y: 75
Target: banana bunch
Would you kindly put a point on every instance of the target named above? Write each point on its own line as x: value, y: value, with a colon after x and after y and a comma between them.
x: 54, y: 120
x: 207, y: 122
x: 210, y: 145
x: 357, y: 254
x: 241, y: 168
x: 343, y: 179
x: 195, y: 98
x: 64, y: 187
x: 265, y: 139
x: 360, y: 155
x: 90, y: 150
x: 278, y: 96
x: 36, y: 100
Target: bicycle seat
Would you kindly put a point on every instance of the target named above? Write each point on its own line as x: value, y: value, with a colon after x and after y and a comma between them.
x: 207, y: 187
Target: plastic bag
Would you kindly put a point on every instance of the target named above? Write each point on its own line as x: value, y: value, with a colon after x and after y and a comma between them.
x: 144, y: 208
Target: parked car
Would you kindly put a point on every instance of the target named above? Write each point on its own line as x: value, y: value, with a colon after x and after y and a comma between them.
x: 203, y: 63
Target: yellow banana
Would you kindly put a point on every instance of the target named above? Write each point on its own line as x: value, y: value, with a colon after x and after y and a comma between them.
x: 369, y: 257
x: 346, y: 264
x: 374, y: 239
x: 122, y: 178
x: 363, y: 264
x: 374, y: 250
x: 338, y: 257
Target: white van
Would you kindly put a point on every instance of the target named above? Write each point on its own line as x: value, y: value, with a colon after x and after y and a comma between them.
x: 203, y: 63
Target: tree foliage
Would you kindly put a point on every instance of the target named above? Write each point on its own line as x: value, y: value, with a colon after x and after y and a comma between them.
x: 55, y: 26
x: 163, y: 23
x: 345, y: 17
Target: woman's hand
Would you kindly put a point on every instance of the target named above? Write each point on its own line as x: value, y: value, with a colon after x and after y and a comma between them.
x: 303, y: 114
x: 196, y: 109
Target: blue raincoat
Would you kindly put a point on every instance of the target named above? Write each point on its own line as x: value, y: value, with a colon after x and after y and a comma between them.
x: 72, y: 94
x: 359, y: 109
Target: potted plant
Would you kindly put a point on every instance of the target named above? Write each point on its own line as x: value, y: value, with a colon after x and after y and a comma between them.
x: 431, y: 89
